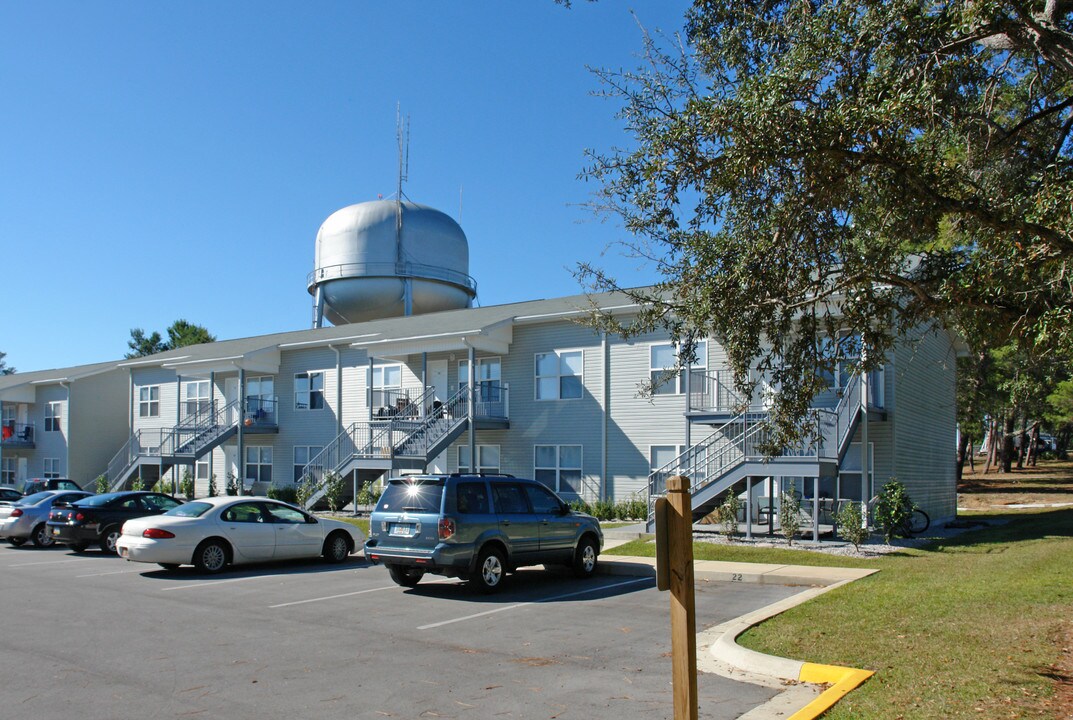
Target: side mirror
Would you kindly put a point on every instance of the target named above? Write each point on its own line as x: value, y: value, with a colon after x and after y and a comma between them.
x: 310, y: 520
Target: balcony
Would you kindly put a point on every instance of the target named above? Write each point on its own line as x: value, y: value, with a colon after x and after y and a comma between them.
x: 260, y: 415
x: 17, y: 435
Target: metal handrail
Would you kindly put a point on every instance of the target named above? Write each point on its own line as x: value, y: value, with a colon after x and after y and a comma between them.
x: 713, y: 391
x: 391, y: 269
x: 17, y: 432
x: 261, y: 410
x: 400, y: 402
x: 417, y: 441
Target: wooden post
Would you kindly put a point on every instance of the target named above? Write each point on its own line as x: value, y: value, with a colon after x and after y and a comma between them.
x: 683, y: 607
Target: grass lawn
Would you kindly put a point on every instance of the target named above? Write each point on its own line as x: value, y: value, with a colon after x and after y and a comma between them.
x: 975, y: 626
x: 361, y: 522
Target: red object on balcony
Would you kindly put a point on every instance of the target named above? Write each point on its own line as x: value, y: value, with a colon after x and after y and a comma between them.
x: 7, y: 432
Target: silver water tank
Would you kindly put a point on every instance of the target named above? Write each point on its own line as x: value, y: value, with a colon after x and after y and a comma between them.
x: 383, y: 259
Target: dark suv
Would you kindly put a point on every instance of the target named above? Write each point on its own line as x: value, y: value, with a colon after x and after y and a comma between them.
x: 477, y: 527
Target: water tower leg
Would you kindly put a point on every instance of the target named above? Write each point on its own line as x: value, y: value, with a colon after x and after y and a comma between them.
x: 318, y: 308
x: 408, y: 297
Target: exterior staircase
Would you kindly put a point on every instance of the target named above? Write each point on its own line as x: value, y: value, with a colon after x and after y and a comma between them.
x: 164, y: 448
x: 408, y: 441
x: 736, y: 450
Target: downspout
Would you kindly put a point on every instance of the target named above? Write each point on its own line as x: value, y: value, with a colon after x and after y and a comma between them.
x: 865, y: 469
x: 67, y: 431
x: 338, y: 386
x: 369, y: 388
x: 212, y: 409
x: 174, y: 438
x: 605, y: 349
x: 130, y: 402
x: 241, y: 479
x: 470, y: 402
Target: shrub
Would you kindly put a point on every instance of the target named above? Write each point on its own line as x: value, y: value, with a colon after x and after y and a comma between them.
x: 285, y: 493
x: 893, y: 510
x: 102, y: 483
x: 232, y: 484
x: 186, y: 485
x: 334, y: 487
x: 727, y: 515
x: 306, y: 489
x: 638, y: 508
x: 212, y: 485
x: 850, y: 525
x: 137, y: 484
x: 789, y: 516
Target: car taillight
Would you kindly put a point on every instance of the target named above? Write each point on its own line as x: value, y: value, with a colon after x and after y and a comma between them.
x: 17, y: 512
x: 157, y: 534
x: 79, y: 517
x: 446, y: 528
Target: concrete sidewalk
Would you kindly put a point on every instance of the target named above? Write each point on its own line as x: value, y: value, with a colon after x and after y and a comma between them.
x: 718, y: 652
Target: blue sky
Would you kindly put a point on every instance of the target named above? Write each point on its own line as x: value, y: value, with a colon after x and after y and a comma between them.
x: 174, y: 160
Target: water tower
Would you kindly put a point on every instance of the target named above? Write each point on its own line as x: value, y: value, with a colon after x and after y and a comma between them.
x: 388, y: 258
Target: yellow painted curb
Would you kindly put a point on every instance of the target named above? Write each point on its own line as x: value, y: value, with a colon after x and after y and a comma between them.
x: 841, y: 679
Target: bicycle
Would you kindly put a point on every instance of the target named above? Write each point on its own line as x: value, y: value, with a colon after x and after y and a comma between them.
x: 915, y: 522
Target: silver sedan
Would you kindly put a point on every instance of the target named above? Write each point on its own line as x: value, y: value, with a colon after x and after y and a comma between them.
x: 212, y: 533
x: 25, y: 520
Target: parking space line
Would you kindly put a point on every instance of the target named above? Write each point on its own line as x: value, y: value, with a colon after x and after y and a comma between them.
x: 114, y: 572
x: 535, y: 602
x: 217, y: 582
x: 49, y: 562
x: 349, y: 594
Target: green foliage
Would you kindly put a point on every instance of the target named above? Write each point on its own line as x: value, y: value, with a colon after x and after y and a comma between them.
x: 136, y: 484
x: 334, y: 488
x: 850, y: 525
x: 4, y: 369
x: 186, y: 485
x: 798, y: 169
x: 180, y: 334
x: 893, y: 510
x: 284, y: 493
x: 306, y: 489
x: 727, y: 515
x: 789, y: 516
x: 231, y: 484
x: 101, y: 484
x: 163, y: 485
x: 632, y: 509
x: 212, y: 486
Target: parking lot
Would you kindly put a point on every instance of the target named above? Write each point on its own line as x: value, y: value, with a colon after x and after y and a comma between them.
x: 93, y: 636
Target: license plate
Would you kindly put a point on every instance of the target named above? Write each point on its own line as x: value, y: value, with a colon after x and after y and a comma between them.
x: 55, y: 531
x: 403, y: 529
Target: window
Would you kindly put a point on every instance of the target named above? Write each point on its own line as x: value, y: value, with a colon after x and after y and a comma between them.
x: 386, y: 385
x: 302, y: 455
x: 261, y: 398
x: 52, y: 468
x: 662, y: 359
x: 509, y: 499
x: 243, y: 513
x: 7, y: 471
x: 694, y: 464
x: 845, y: 354
x: 159, y: 503
x: 559, y: 467
x: 259, y: 464
x: 53, y: 416
x: 201, y: 470
x: 486, y: 374
x: 660, y: 455
x: 471, y: 498
x: 559, y: 375
x: 149, y: 401
x: 542, y: 501
x: 7, y: 415
x: 487, y: 459
x: 309, y: 391
x: 195, y: 397
x: 285, y: 515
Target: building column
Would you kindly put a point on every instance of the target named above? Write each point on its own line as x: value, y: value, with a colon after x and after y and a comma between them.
x: 241, y: 459
x: 471, y: 401
x: 212, y: 409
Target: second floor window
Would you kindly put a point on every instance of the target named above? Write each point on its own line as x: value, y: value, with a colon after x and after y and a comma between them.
x: 663, y: 358
x: 309, y: 391
x: 195, y: 397
x: 559, y: 375
x: 149, y: 401
x: 53, y: 417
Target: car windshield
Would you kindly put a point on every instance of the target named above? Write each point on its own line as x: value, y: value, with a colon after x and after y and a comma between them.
x: 35, y: 498
x: 421, y: 495
x: 190, y: 509
x: 98, y: 500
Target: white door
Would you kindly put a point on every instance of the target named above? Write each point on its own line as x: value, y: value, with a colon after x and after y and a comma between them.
x: 251, y: 534
x: 23, y: 414
x: 230, y: 463
x: 437, y: 378
x: 230, y: 395
x: 21, y: 474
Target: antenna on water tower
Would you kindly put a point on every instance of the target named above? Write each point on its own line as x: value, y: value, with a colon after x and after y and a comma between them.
x: 402, y: 133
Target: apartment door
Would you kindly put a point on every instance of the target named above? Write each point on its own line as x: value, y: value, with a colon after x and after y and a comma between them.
x: 230, y: 460
x: 21, y: 474
x: 437, y: 378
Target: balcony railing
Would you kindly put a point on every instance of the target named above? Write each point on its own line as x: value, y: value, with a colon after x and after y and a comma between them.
x: 17, y: 434
x: 261, y: 411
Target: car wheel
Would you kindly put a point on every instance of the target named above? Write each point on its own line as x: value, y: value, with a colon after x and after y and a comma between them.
x: 336, y: 548
x: 585, y: 557
x: 42, y: 536
x: 78, y: 546
x: 405, y: 576
x: 17, y: 542
x: 169, y: 566
x: 490, y: 570
x: 210, y: 556
x: 109, y: 538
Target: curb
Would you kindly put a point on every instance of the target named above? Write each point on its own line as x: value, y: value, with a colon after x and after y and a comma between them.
x: 725, y: 657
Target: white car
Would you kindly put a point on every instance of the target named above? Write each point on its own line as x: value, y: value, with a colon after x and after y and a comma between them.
x: 212, y: 533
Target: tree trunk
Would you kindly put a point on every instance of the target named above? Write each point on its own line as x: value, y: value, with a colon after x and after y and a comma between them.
x: 1023, y: 449
x: 992, y: 446
x: 972, y: 456
x: 1033, y: 444
x: 1007, y: 445
x: 964, y: 449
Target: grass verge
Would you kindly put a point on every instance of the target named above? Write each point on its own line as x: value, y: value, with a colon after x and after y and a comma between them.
x: 360, y: 522
x: 964, y: 628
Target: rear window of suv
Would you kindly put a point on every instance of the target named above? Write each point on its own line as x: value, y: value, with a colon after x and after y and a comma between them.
x: 419, y: 495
